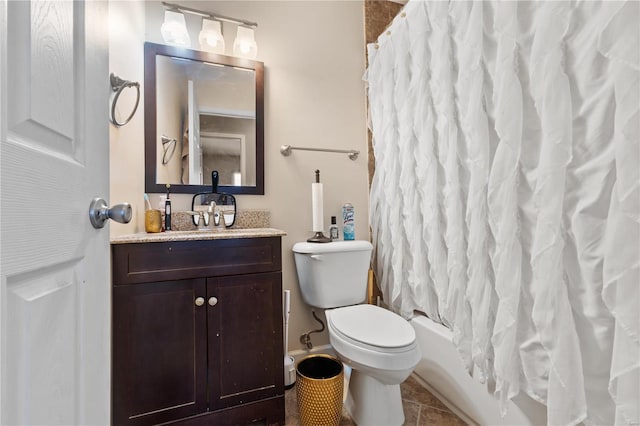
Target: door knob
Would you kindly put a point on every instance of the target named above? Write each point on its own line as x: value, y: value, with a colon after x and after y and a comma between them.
x: 99, y: 212
x: 213, y: 301
x: 199, y: 301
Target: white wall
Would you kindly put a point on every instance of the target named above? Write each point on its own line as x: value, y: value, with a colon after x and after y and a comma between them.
x: 172, y: 113
x: 314, y: 97
x: 126, y: 60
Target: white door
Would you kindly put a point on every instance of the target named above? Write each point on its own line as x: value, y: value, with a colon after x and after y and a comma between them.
x: 54, y: 296
x: 195, y: 147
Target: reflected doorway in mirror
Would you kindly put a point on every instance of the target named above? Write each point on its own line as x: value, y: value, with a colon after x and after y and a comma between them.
x: 225, y: 152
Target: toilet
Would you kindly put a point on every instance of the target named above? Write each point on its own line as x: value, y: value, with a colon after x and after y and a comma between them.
x: 377, y: 344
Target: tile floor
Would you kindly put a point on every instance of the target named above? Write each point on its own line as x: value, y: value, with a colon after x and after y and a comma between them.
x: 421, y: 408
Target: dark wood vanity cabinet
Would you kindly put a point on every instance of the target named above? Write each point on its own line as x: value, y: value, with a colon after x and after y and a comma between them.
x: 197, y: 332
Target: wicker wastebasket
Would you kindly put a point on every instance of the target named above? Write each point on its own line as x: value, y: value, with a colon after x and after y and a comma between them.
x: 319, y: 389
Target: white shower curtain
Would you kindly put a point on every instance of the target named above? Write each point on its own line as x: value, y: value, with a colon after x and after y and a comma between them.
x: 506, y: 197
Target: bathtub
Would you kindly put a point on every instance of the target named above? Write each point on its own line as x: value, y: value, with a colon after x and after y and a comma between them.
x: 444, y: 375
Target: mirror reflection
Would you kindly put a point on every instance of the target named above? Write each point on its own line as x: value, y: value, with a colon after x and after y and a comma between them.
x: 208, y: 116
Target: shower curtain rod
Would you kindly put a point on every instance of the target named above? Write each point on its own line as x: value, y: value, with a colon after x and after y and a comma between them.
x: 286, y: 151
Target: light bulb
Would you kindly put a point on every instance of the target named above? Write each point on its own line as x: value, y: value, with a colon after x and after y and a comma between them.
x: 210, y: 37
x: 245, y: 45
x: 174, y: 29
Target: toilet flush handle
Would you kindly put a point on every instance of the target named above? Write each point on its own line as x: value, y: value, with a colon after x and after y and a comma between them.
x: 317, y: 257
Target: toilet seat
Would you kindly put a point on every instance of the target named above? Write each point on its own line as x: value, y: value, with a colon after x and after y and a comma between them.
x: 367, y: 335
x: 375, y: 349
x: 372, y: 327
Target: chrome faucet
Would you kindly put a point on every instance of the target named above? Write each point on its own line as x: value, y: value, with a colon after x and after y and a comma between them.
x: 200, y: 216
x: 205, y: 216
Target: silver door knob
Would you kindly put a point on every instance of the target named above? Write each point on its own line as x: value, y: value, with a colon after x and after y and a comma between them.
x: 199, y: 301
x: 99, y: 212
x: 213, y: 301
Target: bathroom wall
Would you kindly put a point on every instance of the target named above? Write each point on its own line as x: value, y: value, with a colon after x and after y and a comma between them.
x: 314, y: 55
x: 126, y: 60
x: 172, y: 114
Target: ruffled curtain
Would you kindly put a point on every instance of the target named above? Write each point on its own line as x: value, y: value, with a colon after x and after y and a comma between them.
x: 506, y: 198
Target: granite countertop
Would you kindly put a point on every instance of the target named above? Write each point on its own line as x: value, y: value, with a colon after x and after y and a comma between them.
x: 143, y: 237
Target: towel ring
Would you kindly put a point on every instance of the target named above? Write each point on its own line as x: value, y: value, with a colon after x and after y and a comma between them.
x: 168, y: 148
x: 118, y: 85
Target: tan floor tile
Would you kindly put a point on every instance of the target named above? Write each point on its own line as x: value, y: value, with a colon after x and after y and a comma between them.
x: 411, y: 413
x: 290, y: 407
x: 412, y: 390
x: 432, y: 417
x: 346, y: 420
x: 421, y: 408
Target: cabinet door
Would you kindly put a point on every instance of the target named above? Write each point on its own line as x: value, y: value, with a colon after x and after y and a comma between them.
x: 159, y: 351
x: 245, y: 338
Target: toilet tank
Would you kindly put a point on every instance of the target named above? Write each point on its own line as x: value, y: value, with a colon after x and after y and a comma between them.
x: 333, y: 274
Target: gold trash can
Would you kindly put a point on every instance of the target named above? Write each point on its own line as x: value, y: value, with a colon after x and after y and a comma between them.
x: 319, y: 389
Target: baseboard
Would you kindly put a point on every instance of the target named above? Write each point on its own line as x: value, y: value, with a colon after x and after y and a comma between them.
x: 301, y: 353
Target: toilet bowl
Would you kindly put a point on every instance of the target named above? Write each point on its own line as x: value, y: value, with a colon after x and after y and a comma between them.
x: 382, y: 351
x: 378, y: 345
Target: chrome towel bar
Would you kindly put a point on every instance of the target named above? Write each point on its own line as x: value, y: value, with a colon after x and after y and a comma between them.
x: 286, y: 151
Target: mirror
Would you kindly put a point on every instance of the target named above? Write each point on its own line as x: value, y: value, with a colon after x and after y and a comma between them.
x: 203, y: 112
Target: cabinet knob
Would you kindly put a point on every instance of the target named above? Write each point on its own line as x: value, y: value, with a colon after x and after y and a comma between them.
x: 213, y: 301
x: 199, y: 301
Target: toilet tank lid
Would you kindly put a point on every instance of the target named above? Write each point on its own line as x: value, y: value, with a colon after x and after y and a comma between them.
x: 332, y: 247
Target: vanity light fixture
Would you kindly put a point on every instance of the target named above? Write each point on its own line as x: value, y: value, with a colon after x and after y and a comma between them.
x: 210, y: 37
x: 174, y: 29
x: 245, y: 44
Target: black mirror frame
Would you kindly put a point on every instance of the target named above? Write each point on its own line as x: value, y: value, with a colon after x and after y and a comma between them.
x: 150, y: 118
